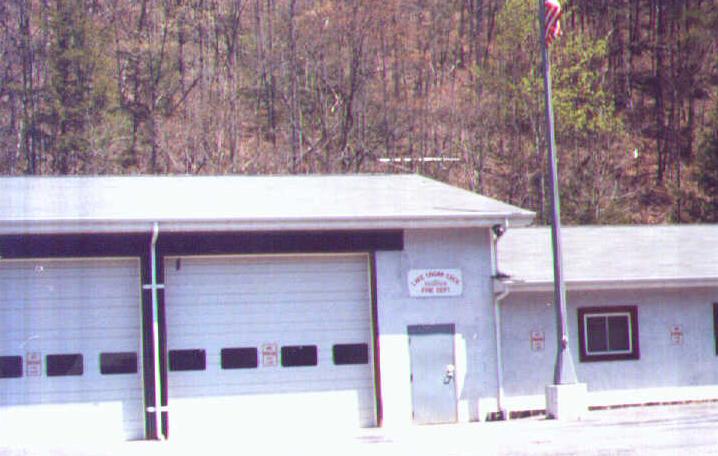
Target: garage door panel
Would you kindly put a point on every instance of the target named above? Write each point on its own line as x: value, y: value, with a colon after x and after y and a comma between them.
x: 48, y: 303
x: 286, y: 301
x: 69, y: 422
x: 68, y: 338
x: 293, y: 417
x: 268, y: 299
x: 60, y: 395
x: 79, y: 308
x: 252, y: 264
x: 213, y: 320
x: 49, y: 290
x: 94, y: 317
x: 215, y: 332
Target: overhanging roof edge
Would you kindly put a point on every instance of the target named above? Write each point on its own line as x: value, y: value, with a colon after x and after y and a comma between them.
x: 10, y: 227
x: 519, y: 286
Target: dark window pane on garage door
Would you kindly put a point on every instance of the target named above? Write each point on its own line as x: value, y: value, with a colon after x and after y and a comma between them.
x: 118, y: 363
x: 299, y: 355
x: 10, y: 366
x: 239, y: 358
x: 187, y: 360
x: 350, y: 354
x: 64, y: 365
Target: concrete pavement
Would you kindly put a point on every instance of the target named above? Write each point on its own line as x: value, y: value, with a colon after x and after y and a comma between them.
x: 659, y: 430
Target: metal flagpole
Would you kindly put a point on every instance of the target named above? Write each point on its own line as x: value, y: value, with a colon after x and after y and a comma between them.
x: 564, y: 371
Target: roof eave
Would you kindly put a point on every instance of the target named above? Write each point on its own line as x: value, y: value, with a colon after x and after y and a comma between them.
x: 519, y: 286
x: 91, y: 226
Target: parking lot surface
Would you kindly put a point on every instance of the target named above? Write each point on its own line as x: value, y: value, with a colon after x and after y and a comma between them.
x: 658, y: 430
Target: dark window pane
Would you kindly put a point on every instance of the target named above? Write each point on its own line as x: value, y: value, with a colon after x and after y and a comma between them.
x: 596, y: 336
x: 187, y: 360
x: 299, y: 355
x: 10, y: 366
x: 61, y: 365
x: 118, y: 363
x: 351, y: 354
x: 239, y: 358
x: 618, y: 339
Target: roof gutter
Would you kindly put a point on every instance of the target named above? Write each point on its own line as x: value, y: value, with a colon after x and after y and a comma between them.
x: 645, y: 283
x: 66, y: 226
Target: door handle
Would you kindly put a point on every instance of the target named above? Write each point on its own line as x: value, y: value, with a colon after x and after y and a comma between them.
x: 449, y: 374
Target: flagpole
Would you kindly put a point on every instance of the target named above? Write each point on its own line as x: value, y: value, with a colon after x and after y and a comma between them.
x: 564, y: 371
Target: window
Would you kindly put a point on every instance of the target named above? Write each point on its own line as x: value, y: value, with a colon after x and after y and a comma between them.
x: 608, y: 333
x: 299, y: 355
x: 64, y: 365
x: 187, y: 360
x: 10, y: 366
x: 239, y: 358
x: 118, y: 363
x: 350, y: 354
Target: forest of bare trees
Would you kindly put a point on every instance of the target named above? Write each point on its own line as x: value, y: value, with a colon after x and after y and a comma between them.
x: 448, y: 88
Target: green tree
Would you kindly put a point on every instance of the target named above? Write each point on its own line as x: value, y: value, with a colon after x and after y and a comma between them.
x: 705, y: 174
x: 72, y: 102
x: 587, y: 130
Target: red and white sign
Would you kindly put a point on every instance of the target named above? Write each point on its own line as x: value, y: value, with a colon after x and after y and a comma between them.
x: 425, y: 283
x: 677, y: 335
x: 33, y: 364
x: 538, y: 340
x: 270, y: 355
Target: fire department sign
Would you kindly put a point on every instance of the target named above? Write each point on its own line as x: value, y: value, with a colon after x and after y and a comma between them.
x: 424, y: 283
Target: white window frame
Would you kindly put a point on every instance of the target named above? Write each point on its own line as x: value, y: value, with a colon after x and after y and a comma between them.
x: 606, y: 315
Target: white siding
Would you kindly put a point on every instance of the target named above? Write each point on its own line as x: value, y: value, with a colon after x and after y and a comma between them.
x: 470, y: 251
x: 224, y: 302
x: 664, y: 372
x: 68, y: 307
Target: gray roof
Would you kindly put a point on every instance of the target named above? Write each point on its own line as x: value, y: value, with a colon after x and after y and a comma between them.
x: 182, y: 203
x: 612, y: 256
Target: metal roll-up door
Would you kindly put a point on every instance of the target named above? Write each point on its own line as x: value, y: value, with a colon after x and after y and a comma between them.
x: 70, y: 355
x: 268, y: 341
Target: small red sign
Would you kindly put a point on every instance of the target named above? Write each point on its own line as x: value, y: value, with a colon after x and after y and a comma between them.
x: 270, y: 355
x: 538, y: 340
x: 677, y: 335
x: 33, y: 364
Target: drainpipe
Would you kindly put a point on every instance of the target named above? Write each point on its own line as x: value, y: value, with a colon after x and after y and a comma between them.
x: 155, y: 332
x: 499, y: 360
x: 497, y: 232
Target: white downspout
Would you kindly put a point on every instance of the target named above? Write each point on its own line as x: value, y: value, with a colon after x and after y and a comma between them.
x: 155, y: 332
x: 499, y: 359
x: 496, y: 232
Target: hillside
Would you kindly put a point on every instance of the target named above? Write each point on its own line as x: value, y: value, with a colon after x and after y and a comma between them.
x: 451, y: 89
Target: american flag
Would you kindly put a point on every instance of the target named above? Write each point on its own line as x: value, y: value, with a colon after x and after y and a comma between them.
x: 552, y: 14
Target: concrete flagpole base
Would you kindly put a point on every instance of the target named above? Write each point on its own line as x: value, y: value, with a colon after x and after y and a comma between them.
x: 566, y: 402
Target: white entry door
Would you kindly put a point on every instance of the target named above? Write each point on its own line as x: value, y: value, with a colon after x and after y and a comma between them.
x: 433, y: 383
x: 268, y: 342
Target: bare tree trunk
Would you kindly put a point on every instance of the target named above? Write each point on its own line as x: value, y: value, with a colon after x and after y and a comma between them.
x: 294, y: 116
x: 28, y: 128
x: 659, y: 116
x: 272, y: 87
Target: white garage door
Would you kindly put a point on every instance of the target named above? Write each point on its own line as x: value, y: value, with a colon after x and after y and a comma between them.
x: 70, y: 350
x: 268, y: 341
